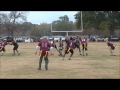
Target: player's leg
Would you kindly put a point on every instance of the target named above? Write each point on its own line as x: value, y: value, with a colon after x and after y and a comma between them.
x: 17, y: 50
x: 66, y: 52
x: 52, y: 50
x: 83, y: 49
x: 72, y: 52
x: 61, y: 52
x: 14, y: 50
x: 40, y: 62
x: 3, y: 51
x: 112, y: 50
x: 79, y: 49
x: 46, y: 62
x: 86, y: 50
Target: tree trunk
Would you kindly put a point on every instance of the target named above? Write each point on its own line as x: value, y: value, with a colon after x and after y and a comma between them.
x: 12, y: 33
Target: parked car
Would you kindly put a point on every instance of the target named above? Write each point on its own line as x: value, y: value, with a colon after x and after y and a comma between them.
x: 44, y: 37
x: 114, y: 38
x: 101, y: 38
x: 57, y: 38
x: 93, y: 38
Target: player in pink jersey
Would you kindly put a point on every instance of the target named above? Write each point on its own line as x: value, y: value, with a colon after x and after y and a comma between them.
x: 84, y: 43
x: 111, y: 47
x: 3, y: 43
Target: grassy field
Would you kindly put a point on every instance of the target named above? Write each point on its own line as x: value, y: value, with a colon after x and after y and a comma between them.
x: 97, y: 65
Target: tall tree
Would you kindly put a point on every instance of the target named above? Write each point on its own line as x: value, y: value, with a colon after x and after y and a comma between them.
x: 11, y: 20
x: 106, y: 20
x: 64, y: 18
x: 63, y: 24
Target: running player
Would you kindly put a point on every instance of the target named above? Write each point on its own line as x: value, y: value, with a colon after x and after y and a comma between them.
x: 53, y: 45
x: 84, y: 43
x: 15, y: 48
x: 69, y: 48
x: 61, y: 47
x: 77, y: 44
x: 2, y: 46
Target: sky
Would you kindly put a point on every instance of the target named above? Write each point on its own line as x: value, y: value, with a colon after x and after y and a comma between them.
x: 38, y: 17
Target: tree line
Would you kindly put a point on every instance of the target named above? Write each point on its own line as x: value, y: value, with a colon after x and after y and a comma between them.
x: 15, y: 23
x: 100, y: 22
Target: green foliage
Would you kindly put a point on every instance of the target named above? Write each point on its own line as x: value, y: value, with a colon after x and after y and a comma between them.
x: 63, y: 25
x: 107, y: 21
x: 41, y: 30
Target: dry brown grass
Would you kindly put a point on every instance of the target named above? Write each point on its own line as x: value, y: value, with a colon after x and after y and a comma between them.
x: 98, y: 65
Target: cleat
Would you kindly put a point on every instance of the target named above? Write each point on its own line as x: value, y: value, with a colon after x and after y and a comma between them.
x: 46, y: 68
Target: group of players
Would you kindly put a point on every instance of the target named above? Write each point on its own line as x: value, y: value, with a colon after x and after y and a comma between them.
x: 44, y: 47
x: 3, y: 43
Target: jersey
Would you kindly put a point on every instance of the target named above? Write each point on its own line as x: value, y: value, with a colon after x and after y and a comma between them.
x: 44, y: 45
x: 71, y: 44
x: 111, y: 45
x: 3, y: 44
x: 77, y: 42
x: 83, y: 41
x: 14, y: 44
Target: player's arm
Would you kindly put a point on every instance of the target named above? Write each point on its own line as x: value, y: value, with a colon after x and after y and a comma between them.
x: 55, y: 46
x: 49, y: 45
x: 114, y: 45
x: 36, y: 50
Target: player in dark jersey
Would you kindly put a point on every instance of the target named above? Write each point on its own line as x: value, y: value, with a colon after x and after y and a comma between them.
x: 111, y: 47
x: 15, y: 48
x: 77, y: 44
x: 61, y: 47
x: 84, y: 43
x: 44, y: 52
x: 69, y: 48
